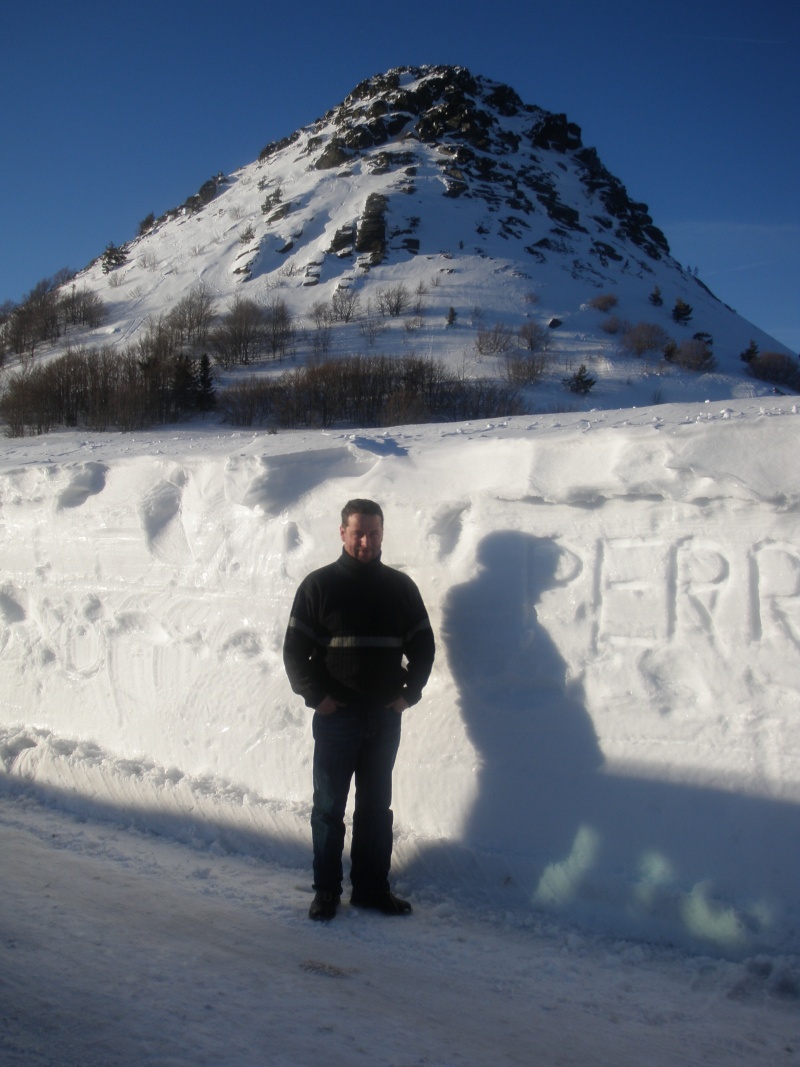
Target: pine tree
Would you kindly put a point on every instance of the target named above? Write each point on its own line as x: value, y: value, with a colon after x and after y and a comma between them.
x: 113, y: 257
x: 206, y: 393
x: 750, y: 353
x: 682, y: 312
x: 656, y: 299
x: 184, y: 384
x: 581, y: 381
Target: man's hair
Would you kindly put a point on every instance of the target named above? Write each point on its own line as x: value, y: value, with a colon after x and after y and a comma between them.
x: 360, y: 507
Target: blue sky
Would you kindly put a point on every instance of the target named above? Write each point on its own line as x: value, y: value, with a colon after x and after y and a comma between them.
x: 115, y: 111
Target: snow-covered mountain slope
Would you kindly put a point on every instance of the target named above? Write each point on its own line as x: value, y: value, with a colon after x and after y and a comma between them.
x: 449, y: 185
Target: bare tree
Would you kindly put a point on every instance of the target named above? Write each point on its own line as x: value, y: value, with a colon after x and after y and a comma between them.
x: 279, y: 327
x: 371, y: 326
x: 776, y: 367
x: 321, y: 317
x: 393, y: 300
x: 344, y: 305
x: 495, y: 341
x: 524, y: 368
x: 604, y: 302
x: 321, y: 314
x: 419, y: 293
x: 534, y: 337
x: 693, y: 354
x: 240, y: 336
x: 644, y: 337
x: 192, y: 316
x: 35, y: 321
x: 82, y: 307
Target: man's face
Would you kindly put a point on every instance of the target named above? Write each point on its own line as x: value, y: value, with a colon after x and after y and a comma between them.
x: 362, y: 537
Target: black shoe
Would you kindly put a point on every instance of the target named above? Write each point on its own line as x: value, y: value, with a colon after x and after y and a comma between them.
x: 324, y: 905
x: 384, y: 901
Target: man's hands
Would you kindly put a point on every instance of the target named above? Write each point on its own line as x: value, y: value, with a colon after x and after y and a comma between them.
x: 328, y: 706
x: 400, y: 705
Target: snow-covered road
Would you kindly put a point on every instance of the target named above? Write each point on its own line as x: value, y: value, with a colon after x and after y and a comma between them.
x: 121, y: 948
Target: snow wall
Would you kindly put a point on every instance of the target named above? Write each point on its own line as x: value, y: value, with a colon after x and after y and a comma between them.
x: 610, y: 735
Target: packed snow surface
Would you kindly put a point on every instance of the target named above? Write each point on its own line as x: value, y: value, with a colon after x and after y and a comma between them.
x: 121, y: 948
x: 597, y: 803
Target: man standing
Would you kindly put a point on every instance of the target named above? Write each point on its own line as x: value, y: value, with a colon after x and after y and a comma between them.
x: 353, y: 624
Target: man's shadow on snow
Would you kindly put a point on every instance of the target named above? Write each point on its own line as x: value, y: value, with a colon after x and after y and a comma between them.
x: 536, y: 742
x: 553, y: 829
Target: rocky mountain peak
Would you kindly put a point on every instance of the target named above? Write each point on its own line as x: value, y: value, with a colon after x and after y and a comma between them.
x: 489, y: 146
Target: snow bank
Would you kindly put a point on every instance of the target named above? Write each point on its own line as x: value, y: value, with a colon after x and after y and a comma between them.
x: 611, y: 731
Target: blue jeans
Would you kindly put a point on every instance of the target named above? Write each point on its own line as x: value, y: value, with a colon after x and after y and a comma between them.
x: 362, y: 744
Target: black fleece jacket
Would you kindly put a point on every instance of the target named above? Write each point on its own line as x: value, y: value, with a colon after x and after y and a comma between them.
x: 351, y: 626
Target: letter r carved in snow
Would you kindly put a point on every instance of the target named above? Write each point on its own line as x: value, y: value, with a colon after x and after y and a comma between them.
x: 775, y: 592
